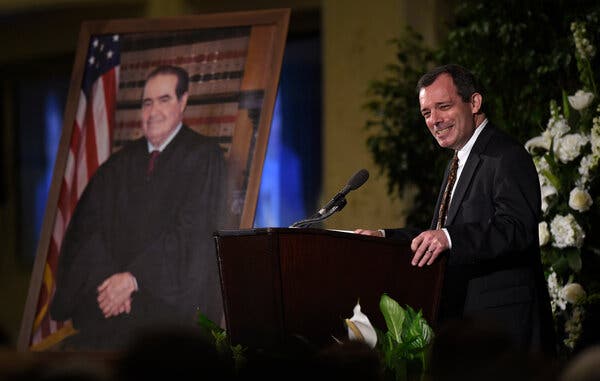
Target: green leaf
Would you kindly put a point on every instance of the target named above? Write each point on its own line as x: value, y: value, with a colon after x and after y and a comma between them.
x: 574, y: 260
x: 206, y: 324
x: 566, y: 108
x: 394, y: 316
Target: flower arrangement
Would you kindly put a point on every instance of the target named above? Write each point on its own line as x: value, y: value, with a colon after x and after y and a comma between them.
x: 403, y: 347
x: 566, y: 156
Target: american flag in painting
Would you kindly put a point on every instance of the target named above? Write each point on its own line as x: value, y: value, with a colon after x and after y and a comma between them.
x: 90, y: 146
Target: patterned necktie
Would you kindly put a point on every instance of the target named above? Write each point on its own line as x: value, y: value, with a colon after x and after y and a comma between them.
x: 448, y: 191
x: 153, y: 155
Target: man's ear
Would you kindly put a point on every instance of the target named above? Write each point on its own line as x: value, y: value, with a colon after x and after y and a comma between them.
x: 476, y: 101
x: 184, y: 99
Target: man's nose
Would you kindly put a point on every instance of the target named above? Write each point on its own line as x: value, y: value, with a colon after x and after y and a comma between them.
x: 436, y: 117
x: 152, y: 110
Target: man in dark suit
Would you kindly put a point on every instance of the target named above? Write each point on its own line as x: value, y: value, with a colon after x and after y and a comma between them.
x: 139, y: 251
x: 489, y: 231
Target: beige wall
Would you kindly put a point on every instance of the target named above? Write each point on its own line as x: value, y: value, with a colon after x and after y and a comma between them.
x: 355, y: 51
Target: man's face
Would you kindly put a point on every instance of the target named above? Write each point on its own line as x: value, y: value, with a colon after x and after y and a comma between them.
x: 450, y: 120
x: 161, y: 110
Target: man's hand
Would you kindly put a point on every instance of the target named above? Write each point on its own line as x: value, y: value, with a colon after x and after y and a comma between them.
x: 114, y: 294
x: 375, y: 233
x: 427, y: 246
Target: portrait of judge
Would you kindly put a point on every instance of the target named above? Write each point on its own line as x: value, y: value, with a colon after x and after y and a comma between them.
x: 138, y: 251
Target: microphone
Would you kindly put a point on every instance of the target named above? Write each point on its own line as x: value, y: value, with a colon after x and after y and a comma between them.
x: 357, y: 180
x: 337, y: 202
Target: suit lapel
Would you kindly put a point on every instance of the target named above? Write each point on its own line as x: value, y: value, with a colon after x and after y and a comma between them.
x: 468, y: 172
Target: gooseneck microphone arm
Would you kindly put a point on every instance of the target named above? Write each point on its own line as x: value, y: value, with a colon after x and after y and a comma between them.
x: 318, y: 217
x: 337, y: 203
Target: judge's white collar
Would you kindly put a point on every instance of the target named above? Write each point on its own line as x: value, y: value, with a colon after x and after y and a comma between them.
x: 166, y: 142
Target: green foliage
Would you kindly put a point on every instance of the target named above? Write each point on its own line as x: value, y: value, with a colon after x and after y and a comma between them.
x: 219, y: 338
x: 404, y: 346
x: 399, y: 142
x: 521, y: 50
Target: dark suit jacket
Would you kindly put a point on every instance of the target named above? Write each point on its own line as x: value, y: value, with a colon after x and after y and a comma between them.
x: 494, y: 268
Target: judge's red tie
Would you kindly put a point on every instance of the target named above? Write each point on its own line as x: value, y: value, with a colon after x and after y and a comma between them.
x: 443, y: 212
x: 151, y: 162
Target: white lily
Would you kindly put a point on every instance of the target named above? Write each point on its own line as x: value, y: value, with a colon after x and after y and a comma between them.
x: 543, y: 141
x: 360, y: 328
x: 581, y: 99
x: 547, y: 191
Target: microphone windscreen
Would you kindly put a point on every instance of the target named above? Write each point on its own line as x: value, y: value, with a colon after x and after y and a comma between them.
x: 358, y: 179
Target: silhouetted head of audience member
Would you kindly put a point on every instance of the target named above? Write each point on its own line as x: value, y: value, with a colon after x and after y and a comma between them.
x: 286, y: 360
x: 172, y: 353
x: 584, y: 366
x: 350, y: 360
x: 479, y: 349
x: 5, y: 341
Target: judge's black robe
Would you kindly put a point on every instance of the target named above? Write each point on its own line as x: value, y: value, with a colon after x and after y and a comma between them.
x: 157, y: 227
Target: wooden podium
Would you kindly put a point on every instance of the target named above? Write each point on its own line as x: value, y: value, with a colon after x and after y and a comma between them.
x: 280, y: 283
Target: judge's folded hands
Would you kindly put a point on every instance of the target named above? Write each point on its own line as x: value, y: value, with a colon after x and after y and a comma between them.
x: 426, y: 247
x: 114, y: 294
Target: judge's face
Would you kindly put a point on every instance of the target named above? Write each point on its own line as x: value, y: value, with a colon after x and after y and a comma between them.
x: 161, y: 110
x: 450, y: 120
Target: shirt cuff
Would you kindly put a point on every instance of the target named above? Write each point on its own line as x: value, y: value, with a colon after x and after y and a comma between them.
x: 382, y: 232
x: 448, y: 237
x: 135, y: 283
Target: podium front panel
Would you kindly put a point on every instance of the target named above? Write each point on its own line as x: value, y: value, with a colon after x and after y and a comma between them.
x: 280, y: 283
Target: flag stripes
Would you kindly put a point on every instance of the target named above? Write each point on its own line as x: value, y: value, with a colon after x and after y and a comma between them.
x: 89, y: 147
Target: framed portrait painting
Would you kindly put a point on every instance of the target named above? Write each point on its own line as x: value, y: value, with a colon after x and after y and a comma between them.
x: 233, y: 61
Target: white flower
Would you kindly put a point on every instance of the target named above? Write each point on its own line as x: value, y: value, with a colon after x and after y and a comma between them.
x: 360, y: 328
x: 543, y: 233
x: 572, y: 292
x: 583, y: 46
x: 574, y: 327
x: 586, y: 164
x: 541, y: 164
x: 556, y: 299
x: 547, y: 191
x: 543, y: 141
x: 580, y: 100
x: 568, y: 147
x: 580, y: 200
x: 558, y: 126
x: 566, y: 231
x: 595, y: 136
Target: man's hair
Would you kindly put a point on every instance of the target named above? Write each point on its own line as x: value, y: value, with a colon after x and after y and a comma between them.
x: 183, y: 78
x: 466, y: 83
